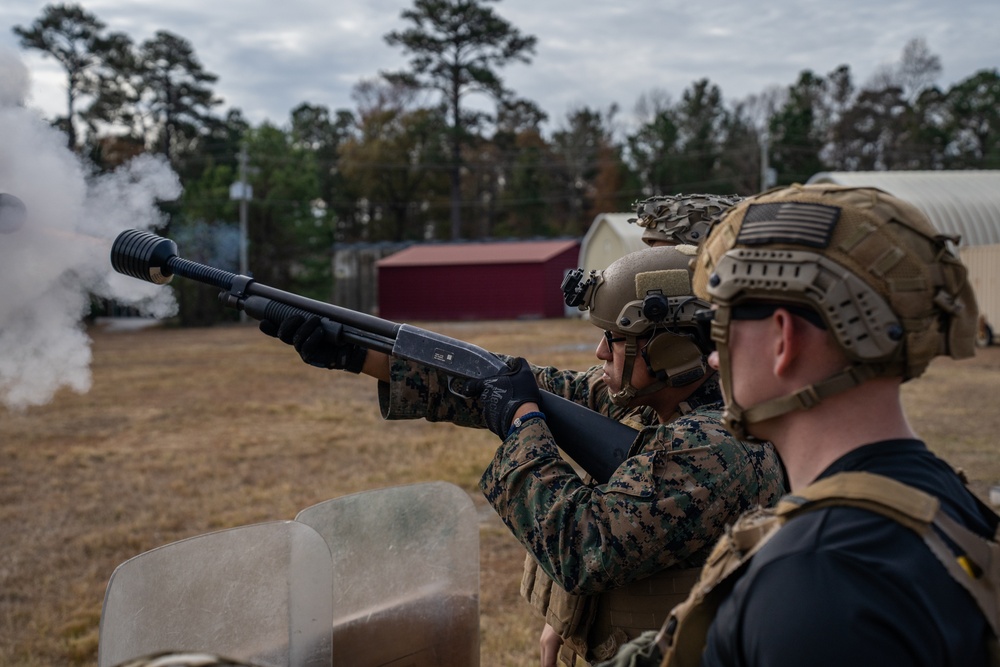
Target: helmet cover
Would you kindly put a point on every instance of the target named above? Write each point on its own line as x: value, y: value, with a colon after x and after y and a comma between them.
x: 681, y: 218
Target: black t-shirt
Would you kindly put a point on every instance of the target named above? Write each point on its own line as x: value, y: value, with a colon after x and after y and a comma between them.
x: 847, y: 587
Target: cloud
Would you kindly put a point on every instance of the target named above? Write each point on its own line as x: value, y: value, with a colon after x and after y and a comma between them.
x: 271, y: 57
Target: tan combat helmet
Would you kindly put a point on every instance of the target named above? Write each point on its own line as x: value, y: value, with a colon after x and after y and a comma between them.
x: 647, y: 296
x: 680, y: 218
x: 889, y: 288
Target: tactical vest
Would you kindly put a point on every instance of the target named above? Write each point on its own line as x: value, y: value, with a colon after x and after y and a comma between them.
x: 593, y: 627
x: 682, y: 638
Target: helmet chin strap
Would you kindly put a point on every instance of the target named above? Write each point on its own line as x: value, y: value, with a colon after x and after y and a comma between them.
x: 737, y: 419
x: 623, y: 397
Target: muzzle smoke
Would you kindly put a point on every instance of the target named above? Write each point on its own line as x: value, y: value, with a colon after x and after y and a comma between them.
x: 52, y: 263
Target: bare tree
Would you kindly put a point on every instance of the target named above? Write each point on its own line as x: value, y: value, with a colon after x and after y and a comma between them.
x: 918, y: 68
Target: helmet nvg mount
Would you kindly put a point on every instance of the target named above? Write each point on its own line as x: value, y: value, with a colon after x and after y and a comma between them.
x: 890, y: 289
x: 679, y: 218
x: 646, y: 296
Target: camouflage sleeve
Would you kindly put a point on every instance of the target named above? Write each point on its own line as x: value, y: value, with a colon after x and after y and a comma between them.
x: 583, y: 387
x: 416, y: 391
x: 572, y: 385
x: 664, y: 507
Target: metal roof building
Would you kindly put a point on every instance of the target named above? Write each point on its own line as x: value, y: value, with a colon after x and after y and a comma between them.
x: 464, y: 281
x: 962, y: 203
x: 966, y: 203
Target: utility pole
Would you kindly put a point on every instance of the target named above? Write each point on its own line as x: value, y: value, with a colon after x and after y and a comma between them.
x: 768, y: 176
x: 244, y: 197
x: 242, y: 192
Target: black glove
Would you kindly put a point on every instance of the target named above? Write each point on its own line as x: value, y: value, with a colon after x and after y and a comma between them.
x: 317, y: 340
x: 504, y: 393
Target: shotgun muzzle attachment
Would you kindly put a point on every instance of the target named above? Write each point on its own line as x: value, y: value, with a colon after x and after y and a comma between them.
x: 143, y: 255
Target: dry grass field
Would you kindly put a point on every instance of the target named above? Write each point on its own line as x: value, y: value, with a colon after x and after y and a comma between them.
x: 189, y: 431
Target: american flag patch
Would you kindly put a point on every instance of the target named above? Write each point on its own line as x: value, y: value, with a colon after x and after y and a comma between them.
x: 789, y: 222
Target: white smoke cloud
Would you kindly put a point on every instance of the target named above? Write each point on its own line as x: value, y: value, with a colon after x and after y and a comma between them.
x: 61, y: 255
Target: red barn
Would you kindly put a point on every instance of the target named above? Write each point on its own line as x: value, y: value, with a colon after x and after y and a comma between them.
x: 475, y: 281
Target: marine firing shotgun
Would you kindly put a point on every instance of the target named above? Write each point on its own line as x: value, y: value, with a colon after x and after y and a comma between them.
x: 597, y: 443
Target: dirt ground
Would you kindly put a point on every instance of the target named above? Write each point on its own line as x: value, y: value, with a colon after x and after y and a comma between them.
x: 189, y: 431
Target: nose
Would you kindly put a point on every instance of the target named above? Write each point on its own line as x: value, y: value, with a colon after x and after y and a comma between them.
x: 603, y: 351
x: 713, y: 360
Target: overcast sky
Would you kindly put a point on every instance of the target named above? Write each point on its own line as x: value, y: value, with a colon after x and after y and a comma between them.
x: 272, y: 55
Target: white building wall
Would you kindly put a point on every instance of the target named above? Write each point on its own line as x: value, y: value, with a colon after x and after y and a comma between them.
x: 984, y: 273
x: 610, y: 237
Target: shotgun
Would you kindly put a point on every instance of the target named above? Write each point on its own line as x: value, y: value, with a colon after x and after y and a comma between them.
x: 598, y: 444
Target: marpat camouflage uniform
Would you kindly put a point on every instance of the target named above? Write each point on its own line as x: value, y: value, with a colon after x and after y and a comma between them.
x: 664, y: 507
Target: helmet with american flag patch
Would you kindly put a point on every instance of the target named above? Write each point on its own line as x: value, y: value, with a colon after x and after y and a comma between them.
x: 864, y: 264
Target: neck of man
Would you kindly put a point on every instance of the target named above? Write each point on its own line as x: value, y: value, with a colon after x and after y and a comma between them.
x: 808, y: 441
x: 666, y: 401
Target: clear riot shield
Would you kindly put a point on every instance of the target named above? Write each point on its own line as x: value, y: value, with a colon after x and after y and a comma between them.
x: 406, y: 576
x: 258, y: 594
x: 397, y: 585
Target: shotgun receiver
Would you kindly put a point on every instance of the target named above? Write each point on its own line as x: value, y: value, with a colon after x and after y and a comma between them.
x: 597, y: 443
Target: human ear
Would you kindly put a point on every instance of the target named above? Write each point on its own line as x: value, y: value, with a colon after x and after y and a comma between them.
x: 786, y: 341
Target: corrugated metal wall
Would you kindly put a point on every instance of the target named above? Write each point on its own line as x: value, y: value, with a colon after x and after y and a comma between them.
x: 984, y: 274
x: 481, y: 292
x: 488, y: 292
x: 966, y: 203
